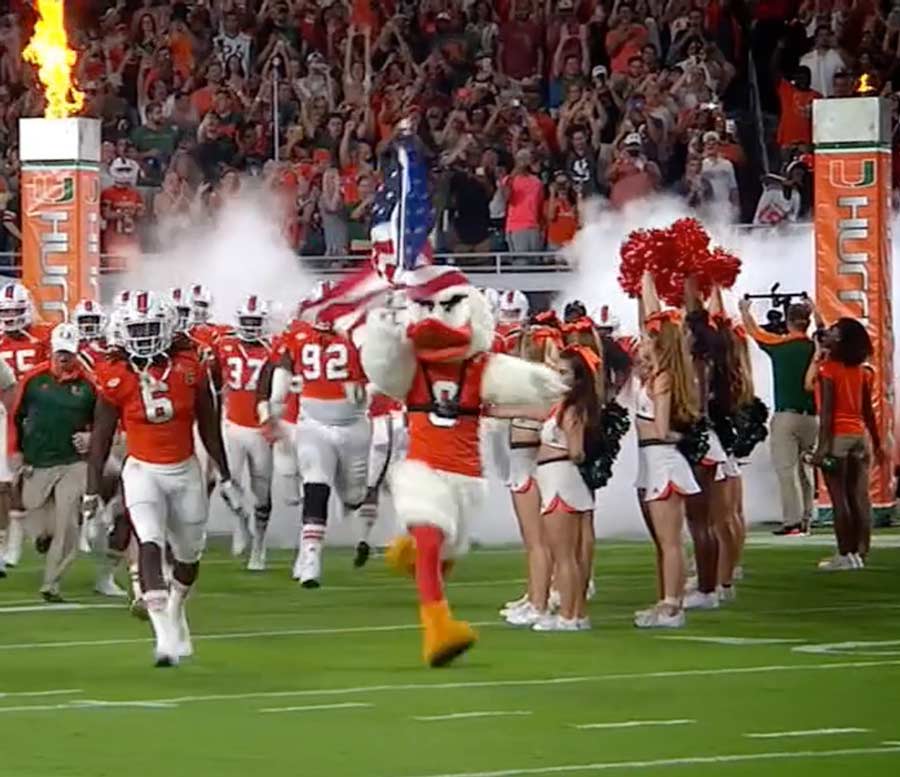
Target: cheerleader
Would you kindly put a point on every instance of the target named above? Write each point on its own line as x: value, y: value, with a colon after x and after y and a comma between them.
x: 667, y: 402
x: 536, y: 344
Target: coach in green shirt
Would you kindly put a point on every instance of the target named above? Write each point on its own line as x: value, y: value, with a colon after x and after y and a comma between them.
x: 794, y: 423
x: 53, y: 414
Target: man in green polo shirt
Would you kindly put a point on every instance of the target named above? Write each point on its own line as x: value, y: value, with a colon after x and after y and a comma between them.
x: 795, y: 426
x: 53, y: 412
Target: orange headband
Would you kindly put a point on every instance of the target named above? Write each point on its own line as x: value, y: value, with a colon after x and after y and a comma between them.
x: 582, y: 324
x: 539, y: 334
x: 587, y: 355
x: 655, y: 321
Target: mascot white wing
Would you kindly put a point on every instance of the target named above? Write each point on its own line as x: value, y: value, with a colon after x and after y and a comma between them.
x: 387, y: 354
x: 508, y: 380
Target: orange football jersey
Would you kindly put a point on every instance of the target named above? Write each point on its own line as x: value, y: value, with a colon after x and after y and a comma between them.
x: 25, y: 350
x: 325, y: 361
x: 382, y: 404
x: 444, y: 416
x: 92, y: 355
x: 241, y: 364
x: 506, y: 336
x: 156, y: 407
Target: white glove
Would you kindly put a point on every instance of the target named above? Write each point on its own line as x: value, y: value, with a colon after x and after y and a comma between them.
x: 90, y: 506
x: 233, y: 496
x: 82, y: 442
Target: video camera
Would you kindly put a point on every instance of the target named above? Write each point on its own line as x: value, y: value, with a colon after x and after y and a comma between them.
x: 776, y: 317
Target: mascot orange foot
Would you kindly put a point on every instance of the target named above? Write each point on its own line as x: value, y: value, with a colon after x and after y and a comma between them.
x: 443, y: 638
x: 400, y: 557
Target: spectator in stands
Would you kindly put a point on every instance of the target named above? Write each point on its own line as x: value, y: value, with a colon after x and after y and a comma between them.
x: 561, y: 212
x: 334, y: 214
x: 693, y: 187
x: 121, y: 208
x: 632, y: 176
x: 521, y: 53
x: 524, y: 194
x: 780, y: 201
x: 720, y: 174
x: 155, y: 142
x: 470, y: 200
x: 625, y: 39
x: 823, y: 61
x: 795, y: 124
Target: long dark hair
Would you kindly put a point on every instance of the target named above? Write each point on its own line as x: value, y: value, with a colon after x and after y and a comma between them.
x: 709, y: 344
x: 852, y: 344
x: 583, y: 396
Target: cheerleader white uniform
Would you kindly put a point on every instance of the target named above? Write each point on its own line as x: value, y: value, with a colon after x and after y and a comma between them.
x: 716, y: 457
x: 561, y: 485
x: 523, y: 457
x: 662, y: 470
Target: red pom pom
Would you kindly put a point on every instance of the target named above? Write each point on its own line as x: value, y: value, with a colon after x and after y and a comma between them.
x: 723, y: 268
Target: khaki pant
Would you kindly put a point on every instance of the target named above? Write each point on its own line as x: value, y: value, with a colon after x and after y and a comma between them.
x: 793, y: 434
x: 52, y: 497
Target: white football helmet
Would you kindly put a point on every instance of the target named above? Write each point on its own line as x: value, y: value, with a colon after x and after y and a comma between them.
x: 201, y: 301
x: 605, y: 321
x: 252, y: 318
x: 181, y: 302
x: 16, y: 307
x: 90, y: 319
x: 513, y: 307
x: 121, y: 299
x: 146, y: 324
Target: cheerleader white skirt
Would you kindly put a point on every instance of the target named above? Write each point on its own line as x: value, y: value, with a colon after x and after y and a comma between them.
x: 716, y: 456
x: 522, y: 469
x: 663, y: 471
x: 562, y: 488
x: 731, y: 468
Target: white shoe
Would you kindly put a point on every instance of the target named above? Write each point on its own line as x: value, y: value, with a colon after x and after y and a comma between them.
x: 584, y: 624
x: 700, y: 601
x: 310, y: 565
x: 107, y: 586
x: 691, y: 584
x: 240, y: 539
x: 646, y: 611
x: 554, y: 601
x: 556, y: 623
x: 84, y: 540
x: 15, y: 539
x: 295, y: 570
x: 857, y: 561
x: 726, y: 593
x: 515, y: 604
x: 524, y: 616
x: 167, y: 643
x: 591, y: 590
x: 257, y: 561
x: 836, y: 563
x: 738, y: 573
x: 660, y: 619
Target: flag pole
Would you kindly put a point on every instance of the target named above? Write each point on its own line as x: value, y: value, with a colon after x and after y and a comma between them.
x: 276, y: 131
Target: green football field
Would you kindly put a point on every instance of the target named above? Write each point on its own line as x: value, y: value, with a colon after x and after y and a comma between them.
x: 800, y: 676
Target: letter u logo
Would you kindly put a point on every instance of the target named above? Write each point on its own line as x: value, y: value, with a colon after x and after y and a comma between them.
x: 859, y: 175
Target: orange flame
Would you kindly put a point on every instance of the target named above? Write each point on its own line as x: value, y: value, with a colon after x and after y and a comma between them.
x: 865, y: 85
x: 49, y: 50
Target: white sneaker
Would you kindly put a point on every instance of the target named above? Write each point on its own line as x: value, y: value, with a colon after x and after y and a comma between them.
x: 836, y: 563
x: 646, y: 611
x: 591, y: 590
x: 240, y: 539
x: 257, y: 561
x: 691, y: 584
x: 524, y: 616
x: 584, y: 624
x: 700, y: 601
x: 554, y: 601
x: 726, y: 593
x: 106, y: 585
x: 296, y: 569
x: 310, y: 562
x: 15, y: 539
x: 660, y: 619
x: 167, y: 643
x: 857, y: 561
x: 556, y: 623
x: 513, y: 604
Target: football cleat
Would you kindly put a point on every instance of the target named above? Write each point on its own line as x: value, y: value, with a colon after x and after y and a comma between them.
x: 257, y: 560
x: 363, y: 551
x: 107, y: 586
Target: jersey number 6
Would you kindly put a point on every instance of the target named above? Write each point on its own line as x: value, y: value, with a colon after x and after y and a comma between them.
x: 158, y: 408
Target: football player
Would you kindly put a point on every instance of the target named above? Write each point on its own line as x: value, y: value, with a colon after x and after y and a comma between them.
x: 332, y: 435
x: 23, y: 345
x: 239, y: 362
x: 201, y: 330
x: 512, y: 314
x: 158, y: 390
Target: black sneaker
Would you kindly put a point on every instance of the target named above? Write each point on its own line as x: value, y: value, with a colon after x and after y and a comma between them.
x: 363, y: 551
x: 42, y: 544
x: 795, y: 530
x: 52, y: 597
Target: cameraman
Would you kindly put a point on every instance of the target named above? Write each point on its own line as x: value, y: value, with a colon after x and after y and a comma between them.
x: 794, y: 426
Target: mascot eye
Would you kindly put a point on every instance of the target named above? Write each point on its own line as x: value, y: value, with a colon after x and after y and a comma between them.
x: 453, y: 302
x: 427, y: 304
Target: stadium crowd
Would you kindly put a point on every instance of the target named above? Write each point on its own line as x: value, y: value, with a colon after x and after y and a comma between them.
x: 524, y: 107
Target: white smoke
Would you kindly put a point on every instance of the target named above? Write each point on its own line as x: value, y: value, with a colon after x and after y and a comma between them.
x: 239, y: 253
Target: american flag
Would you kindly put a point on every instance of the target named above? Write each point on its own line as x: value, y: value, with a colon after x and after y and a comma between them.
x: 402, y: 218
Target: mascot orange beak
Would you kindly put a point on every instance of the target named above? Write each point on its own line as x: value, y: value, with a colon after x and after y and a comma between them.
x: 435, y: 341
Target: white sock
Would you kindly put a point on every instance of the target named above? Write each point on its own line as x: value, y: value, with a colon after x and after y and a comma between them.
x: 368, y: 514
x: 178, y: 594
x: 311, y: 536
x: 135, y: 577
x: 157, y: 608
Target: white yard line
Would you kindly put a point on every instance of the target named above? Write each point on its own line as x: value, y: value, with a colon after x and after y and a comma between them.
x: 736, y: 641
x: 699, y: 760
x: 65, y: 607
x: 91, y: 704
x: 465, y: 715
x: 634, y: 724
x: 32, y: 694
x: 313, y: 707
x: 813, y: 732
x: 523, y: 683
